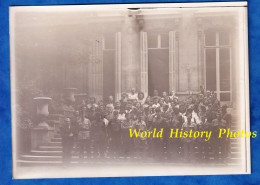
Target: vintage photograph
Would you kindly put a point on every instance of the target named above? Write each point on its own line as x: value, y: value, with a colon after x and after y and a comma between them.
x: 129, y: 90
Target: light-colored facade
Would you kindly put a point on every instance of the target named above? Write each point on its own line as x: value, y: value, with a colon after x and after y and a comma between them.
x: 106, y: 54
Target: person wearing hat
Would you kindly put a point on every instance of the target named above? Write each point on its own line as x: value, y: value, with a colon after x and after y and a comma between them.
x: 67, y: 134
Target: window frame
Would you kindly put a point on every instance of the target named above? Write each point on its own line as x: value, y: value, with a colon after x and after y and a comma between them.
x: 217, y: 47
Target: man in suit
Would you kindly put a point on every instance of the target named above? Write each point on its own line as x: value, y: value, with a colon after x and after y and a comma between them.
x: 67, y: 133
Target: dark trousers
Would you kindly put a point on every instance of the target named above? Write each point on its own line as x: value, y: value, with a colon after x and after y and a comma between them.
x: 219, y: 150
x: 100, y: 146
x: 204, y: 148
x: 188, y: 151
x: 115, y: 144
x: 173, y: 152
x: 67, y: 145
x: 158, y: 148
x: 127, y: 143
x: 84, y: 145
x: 140, y: 147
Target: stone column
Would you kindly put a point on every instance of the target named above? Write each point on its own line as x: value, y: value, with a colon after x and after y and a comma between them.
x: 144, y: 63
x: 130, y: 52
x: 188, y: 53
x: 118, y: 67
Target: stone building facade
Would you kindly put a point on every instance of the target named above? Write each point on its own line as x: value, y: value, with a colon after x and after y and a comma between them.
x: 107, y: 53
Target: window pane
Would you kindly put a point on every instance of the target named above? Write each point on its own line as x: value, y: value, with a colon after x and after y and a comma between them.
x: 224, y: 96
x: 224, y: 38
x: 224, y: 67
x: 152, y: 40
x: 210, y: 69
x: 165, y: 40
x: 210, y: 38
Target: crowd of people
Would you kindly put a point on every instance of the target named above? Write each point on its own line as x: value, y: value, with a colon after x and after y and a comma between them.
x: 101, y: 129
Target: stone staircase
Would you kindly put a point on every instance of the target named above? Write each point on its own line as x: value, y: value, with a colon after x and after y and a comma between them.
x: 47, y: 154
x: 51, y: 154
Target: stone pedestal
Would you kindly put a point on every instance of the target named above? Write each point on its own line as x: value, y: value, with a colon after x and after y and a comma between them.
x: 70, y: 94
x: 42, y: 110
x: 80, y: 97
x: 42, y: 133
x: 40, y: 136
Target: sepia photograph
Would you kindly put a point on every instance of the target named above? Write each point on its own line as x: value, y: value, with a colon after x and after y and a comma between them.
x: 129, y: 90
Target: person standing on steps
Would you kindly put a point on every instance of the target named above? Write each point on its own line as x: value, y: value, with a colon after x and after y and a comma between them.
x: 67, y: 133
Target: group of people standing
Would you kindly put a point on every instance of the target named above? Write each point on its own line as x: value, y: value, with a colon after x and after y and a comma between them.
x: 101, y: 129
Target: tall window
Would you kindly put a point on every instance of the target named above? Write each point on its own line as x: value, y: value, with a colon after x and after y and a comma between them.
x: 158, y: 62
x: 217, y: 51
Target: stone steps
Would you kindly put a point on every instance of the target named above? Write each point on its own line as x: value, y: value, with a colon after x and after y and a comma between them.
x: 53, y: 144
x: 123, y: 161
x: 54, y: 153
x: 50, y: 148
x: 45, y: 153
x: 51, y: 154
x: 56, y: 139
